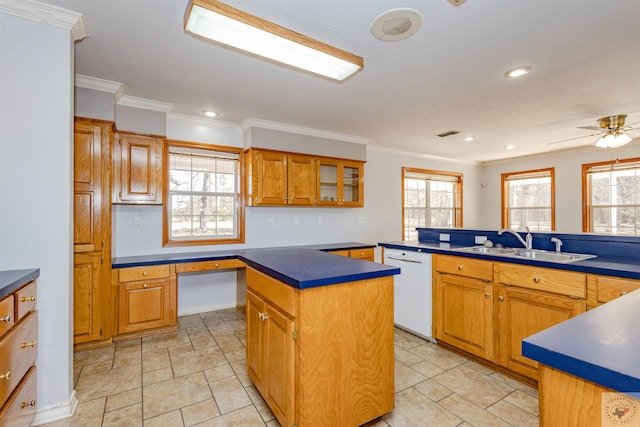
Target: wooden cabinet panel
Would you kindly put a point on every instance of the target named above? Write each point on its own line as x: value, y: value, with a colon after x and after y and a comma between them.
x: 187, y: 267
x: 86, y: 297
x: 146, y: 305
x: 7, y: 317
x: 138, y: 166
x: 26, y: 300
x: 144, y: 273
x: 366, y: 254
x: 301, y: 180
x: 610, y: 288
x: 255, y: 362
x: 281, y: 295
x: 19, y: 351
x: 463, y: 314
x: 544, y: 279
x: 269, y: 178
x: 20, y: 409
x: 523, y: 313
x: 460, y: 266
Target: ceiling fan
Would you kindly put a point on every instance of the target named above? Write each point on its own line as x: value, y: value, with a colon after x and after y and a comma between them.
x: 611, y: 129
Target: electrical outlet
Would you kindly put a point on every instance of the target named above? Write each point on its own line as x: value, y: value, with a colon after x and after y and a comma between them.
x: 270, y: 222
x: 362, y: 220
x: 444, y: 237
x: 480, y: 239
x: 320, y: 220
x: 296, y: 221
x: 137, y: 223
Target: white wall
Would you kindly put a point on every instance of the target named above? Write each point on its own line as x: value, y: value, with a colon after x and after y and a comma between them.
x: 36, y: 128
x: 568, y: 182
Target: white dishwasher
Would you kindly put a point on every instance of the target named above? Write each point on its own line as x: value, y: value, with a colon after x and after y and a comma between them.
x: 412, y: 290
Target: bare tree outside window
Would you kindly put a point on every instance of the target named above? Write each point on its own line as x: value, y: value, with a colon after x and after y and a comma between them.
x: 528, y: 200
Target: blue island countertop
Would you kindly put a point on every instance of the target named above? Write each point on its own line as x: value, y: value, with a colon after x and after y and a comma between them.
x: 11, y: 280
x: 601, y: 345
x: 298, y: 266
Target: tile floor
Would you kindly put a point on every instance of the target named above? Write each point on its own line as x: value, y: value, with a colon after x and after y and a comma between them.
x: 196, y: 377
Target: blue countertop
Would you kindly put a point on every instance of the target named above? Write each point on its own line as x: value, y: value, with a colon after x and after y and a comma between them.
x: 298, y: 266
x: 12, y: 280
x: 628, y: 268
x: 601, y: 345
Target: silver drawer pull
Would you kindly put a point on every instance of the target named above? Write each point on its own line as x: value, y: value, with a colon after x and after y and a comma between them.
x: 6, y: 376
x: 6, y: 319
x: 26, y: 404
x: 28, y: 344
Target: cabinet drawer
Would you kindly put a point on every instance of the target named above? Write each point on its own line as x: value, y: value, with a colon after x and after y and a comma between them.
x: 366, y: 253
x: 221, y: 264
x: 344, y: 252
x: 21, y: 406
x: 280, y: 294
x: 133, y: 274
x: 18, y: 350
x: 7, y: 319
x: 26, y: 300
x: 461, y: 266
x: 544, y: 279
x: 610, y: 288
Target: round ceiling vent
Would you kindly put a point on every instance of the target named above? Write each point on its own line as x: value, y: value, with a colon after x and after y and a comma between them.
x: 396, y: 24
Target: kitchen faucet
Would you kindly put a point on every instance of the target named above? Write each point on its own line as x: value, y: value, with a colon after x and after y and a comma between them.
x: 558, y: 243
x: 528, y: 244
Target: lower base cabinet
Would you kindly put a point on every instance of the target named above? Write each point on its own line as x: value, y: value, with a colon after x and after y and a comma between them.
x: 321, y: 356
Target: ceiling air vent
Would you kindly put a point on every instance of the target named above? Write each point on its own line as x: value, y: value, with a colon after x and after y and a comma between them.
x: 447, y: 133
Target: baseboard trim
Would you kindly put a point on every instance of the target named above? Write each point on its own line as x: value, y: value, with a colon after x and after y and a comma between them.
x: 56, y: 412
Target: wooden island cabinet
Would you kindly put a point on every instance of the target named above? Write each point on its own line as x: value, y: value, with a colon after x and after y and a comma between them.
x: 321, y: 356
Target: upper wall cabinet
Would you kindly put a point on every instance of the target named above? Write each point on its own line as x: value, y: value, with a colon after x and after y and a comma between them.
x: 286, y: 179
x: 137, y: 165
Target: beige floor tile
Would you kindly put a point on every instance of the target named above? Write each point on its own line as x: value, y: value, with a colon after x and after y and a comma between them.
x: 200, y: 337
x: 229, y: 394
x: 236, y: 356
x: 406, y: 377
x: 211, y: 317
x: 178, y: 338
x: 273, y: 423
x: 219, y: 372
x: 438, y: 356
x: 432, y: 390
x: 474, y: 386
x: 197, y: 360
x: 244, y: 417
x: 229, y: 343
x: 190, y: 321
x: 471, y: 413
x: 177, y: 393
x: 170, y: 419
x: 95, y: 368
x: 133, y: 342
x: 129, y: 416
x: 377, y: 423
x: 126, y: 356
x: 155, y: 359
x: 260, y: 404
x: 515, y: 384
x: 414, y: 409
x: 524, y: 401
x: 406, y: 344
x: 240, y: 370
x: 106, y: 383
x: 406, y: 357
x: 513, y: 415
x: 157, y: 376
x: 478, y: 367
x: 95, y: 355
x: 126, y: 398
x: 199, y: 412
x: 227, y: 327
x: 427, y: 369
x: 231, y: 314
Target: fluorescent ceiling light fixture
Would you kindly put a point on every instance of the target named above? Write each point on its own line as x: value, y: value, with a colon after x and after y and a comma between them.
x: 517, y: 72
x: 209, y: 113
x: 229, y: 26
x: 613, y: 139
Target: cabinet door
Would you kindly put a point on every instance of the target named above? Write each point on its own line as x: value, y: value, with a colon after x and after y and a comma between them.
x: 352, y: 183
x: 269, y: 178
x: 280, y: 365
x: 328, y: 183
x: 145, y: 305
x: 463, y: 314
x: 301, y: 180
x: 87, y: 188
x: 86, y: 297
x: 255, y: 363
x: 522, y: 313
x: 140, y: 169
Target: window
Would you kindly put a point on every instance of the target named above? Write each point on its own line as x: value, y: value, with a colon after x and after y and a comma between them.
x: 528, y: 200
x: 203, y: 197
x: 611, y: 197
x: 430, y: 199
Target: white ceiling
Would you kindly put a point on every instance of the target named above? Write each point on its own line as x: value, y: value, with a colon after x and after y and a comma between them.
x: 585, y: 56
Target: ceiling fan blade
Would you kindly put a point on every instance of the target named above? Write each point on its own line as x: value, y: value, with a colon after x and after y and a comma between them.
x: 573, y: 139
x: 590, y: 127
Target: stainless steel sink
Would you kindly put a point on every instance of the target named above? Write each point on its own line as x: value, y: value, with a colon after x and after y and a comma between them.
x: 536, y: 254
x: 542, y: 255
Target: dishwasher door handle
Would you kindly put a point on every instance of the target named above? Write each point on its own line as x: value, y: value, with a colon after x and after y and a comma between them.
x: 404, y: 260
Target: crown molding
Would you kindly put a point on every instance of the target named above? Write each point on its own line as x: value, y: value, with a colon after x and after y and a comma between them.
x: 266, y: 124
x: 200, y: 121
x: 381, y: 149
x: 145, y: 104
x: 97, y: 84
x: 47, y: 14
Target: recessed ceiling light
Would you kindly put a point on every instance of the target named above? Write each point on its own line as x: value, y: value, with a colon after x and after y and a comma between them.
x: 469, y: 138
x: 209, y: 113
x: 510, y: 147
x: 517, y: 72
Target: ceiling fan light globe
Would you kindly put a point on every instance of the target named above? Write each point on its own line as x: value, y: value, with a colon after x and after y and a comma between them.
x: 611, y: 140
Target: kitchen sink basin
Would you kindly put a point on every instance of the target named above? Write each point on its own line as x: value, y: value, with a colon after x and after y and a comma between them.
x: 536, y: 254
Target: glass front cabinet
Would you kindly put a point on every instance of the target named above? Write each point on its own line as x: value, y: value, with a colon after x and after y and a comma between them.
x: 340, y: 183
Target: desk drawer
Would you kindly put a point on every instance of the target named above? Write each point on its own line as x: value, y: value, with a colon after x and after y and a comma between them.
x: 366, y: 253
x: 21, y: 406
x: 222, y: 264
x: 544, y: 279
x: 610, y: 288
x: 7, y: 319
x: 461, y: 266
x: 26, y: 300
x: 18, y: 350
x: 133, y: 274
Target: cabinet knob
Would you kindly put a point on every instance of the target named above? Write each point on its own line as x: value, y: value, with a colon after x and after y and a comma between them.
x: 263, y: 316
x: 217, y: 265
x: 500, y: 298
x: 623, y: 293
x: 32, y: 298
x: 459, y: 267
x: 6, y: 376
x: 144, y: 273
x: 536, y: 279
x: 6, y: 318
x: 25, y: 404
x: 153, y: 194
x: 28, y: 344
x: 144, y: 286
x: 487, y: 295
